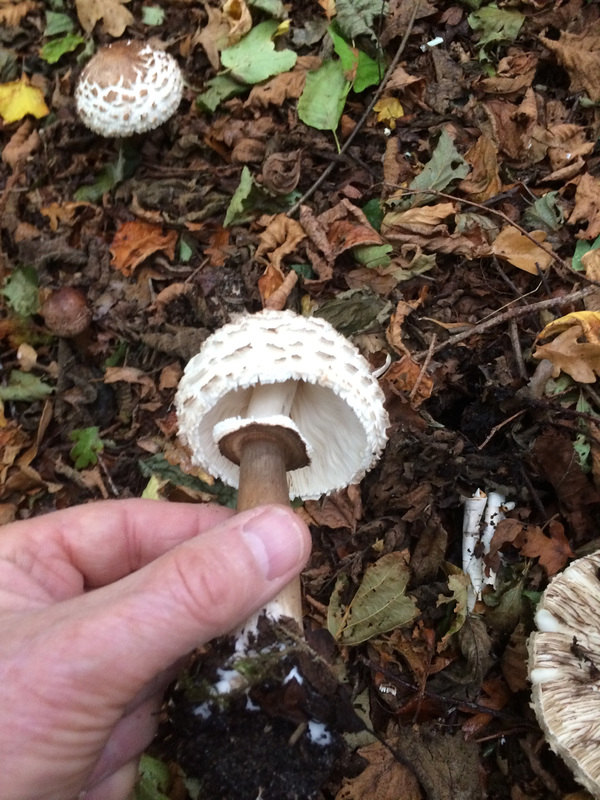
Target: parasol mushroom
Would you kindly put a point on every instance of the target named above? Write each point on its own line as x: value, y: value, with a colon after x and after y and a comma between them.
x: 128, y: 87
x: 281, y: 406
x: 564, y: 668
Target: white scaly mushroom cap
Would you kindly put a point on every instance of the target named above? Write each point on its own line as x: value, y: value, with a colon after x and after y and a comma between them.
x: 337, y: 409
x: 564, y: 668
x: 128, y: 87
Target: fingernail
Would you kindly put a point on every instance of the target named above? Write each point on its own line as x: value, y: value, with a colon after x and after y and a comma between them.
x: 277, y: 541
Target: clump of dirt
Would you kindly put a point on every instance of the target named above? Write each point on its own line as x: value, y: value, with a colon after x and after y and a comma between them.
x: 254, y: 724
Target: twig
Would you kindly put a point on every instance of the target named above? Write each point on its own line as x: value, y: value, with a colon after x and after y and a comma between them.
x: 359, y: 125
x: 421, y: 374
x: 513, y: 331
x: 513, y: 313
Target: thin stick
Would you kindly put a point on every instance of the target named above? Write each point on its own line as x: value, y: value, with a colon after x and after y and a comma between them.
x: 421, y: 374
x: 514, y: 313
x: 360, y: 124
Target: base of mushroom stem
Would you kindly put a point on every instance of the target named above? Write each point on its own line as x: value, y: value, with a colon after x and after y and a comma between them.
x: 249, y: 725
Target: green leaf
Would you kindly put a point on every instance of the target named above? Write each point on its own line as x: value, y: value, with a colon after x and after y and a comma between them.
x: 581, y: 248
x: 154, y: 779
x: 153, y: 15
x: 496, y: 25
x: 220, y: 88
x: 304, y: 271
x: 53, y: 50
x: 373, y: 211
x: 445, y: 166
x: 250, y: 199
x: 544, y: 214
x: 158, y: 466
x: 57, y: 23
x: 87, y: 446
x: 373, y: 255
x: 112, y: 175
x: 355, y: 311
x: 322, y: 102
x: 274, y: 8
x: 379, y: 605
x: 185, y: 250
x: 358, y: 17
x: 239, y: 206
x: 21, y: 291
x: 254, y: 58
x: 153, y: 487
x: 23, y: 386
x: 359, y: 68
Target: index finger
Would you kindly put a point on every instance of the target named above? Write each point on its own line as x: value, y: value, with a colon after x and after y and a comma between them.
x: 106, y: 540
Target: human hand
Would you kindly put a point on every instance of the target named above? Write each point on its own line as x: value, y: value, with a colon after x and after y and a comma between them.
x: 97, y: 603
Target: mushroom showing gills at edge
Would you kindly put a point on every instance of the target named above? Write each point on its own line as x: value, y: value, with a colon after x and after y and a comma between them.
x: 128, y: 87
x: 281, y: 406
x: 564, y: 668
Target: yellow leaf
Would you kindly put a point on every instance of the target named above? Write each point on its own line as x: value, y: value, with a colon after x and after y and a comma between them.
x: 520, y: 251
x: 588, y: 320
x: 18, y: 98
x: 388, y: 109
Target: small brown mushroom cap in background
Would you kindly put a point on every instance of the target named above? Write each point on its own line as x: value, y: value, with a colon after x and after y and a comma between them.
x: 65, y: 312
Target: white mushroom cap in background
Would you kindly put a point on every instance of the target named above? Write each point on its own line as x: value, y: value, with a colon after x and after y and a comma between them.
x: 337, y: 409
x: 128, y: 87
x: 564, y: 668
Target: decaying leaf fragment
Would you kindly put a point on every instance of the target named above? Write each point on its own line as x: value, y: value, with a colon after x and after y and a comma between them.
x: 579, y: 359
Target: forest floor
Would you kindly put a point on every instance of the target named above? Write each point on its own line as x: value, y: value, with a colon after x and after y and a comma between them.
x: 422, y: 175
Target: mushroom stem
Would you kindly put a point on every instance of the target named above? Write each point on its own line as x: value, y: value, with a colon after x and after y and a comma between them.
x: 272, y: 399
x: 263, y: 480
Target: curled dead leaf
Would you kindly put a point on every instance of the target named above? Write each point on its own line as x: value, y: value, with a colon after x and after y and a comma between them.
x: 579, y: 359
x: 281, y: 172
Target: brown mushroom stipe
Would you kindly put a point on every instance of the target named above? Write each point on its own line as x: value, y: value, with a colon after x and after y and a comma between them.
x: 564, y: 668
x: 128, y: 87
x: 280, y: 406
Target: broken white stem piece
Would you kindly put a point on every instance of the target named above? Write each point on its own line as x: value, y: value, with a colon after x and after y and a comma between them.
x: 477, y: 539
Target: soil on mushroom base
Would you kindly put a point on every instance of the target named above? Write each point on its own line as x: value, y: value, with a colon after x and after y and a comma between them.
x: 274, y: 737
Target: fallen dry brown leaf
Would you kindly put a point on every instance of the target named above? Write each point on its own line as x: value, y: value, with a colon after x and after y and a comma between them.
x: 135, y: 241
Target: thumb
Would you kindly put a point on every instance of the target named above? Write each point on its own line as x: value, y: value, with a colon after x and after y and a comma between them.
x: 137, y: 627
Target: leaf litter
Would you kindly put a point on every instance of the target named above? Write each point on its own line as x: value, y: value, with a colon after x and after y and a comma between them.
x: 437, y: 200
